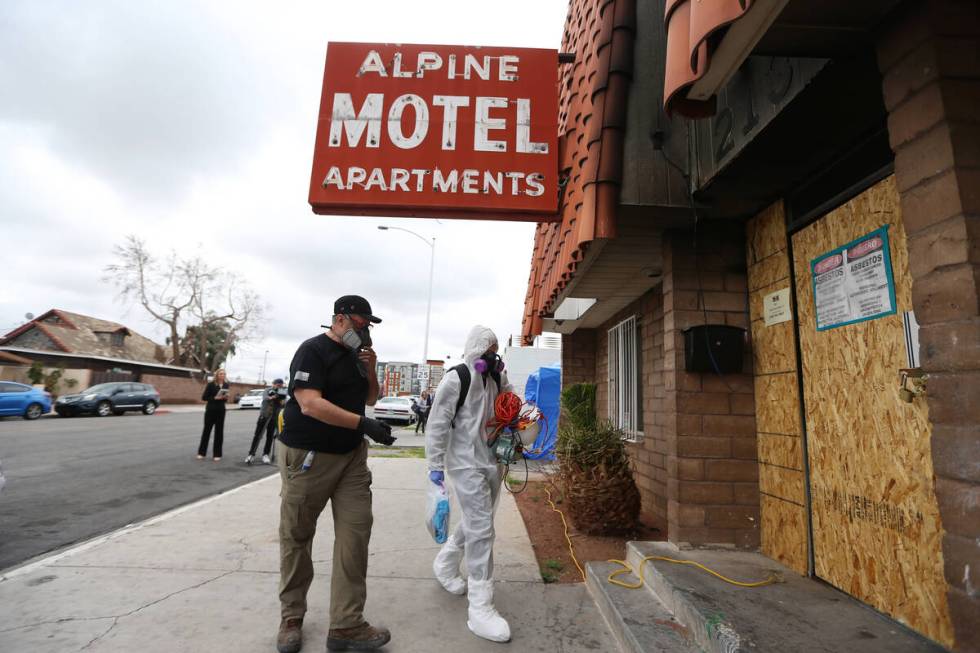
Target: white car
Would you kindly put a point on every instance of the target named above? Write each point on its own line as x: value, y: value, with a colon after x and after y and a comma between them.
x: 394, y: 409
x: 251, y: 399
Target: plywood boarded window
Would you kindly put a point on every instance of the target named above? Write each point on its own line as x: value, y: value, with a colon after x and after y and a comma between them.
x: 877, y: 532
x: 625, y: 372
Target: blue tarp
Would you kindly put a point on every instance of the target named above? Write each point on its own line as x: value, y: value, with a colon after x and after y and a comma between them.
x: 543, y: 389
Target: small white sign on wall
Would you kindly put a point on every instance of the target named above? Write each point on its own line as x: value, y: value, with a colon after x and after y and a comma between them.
x: 776, y: 307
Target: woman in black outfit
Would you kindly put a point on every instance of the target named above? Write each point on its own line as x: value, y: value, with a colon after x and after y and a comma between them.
x: 216, y: 394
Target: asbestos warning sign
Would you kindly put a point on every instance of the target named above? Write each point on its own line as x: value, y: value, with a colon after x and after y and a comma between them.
x: 854, y: 282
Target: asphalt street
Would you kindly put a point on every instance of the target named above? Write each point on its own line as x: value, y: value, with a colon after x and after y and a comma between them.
x: 70, y: 479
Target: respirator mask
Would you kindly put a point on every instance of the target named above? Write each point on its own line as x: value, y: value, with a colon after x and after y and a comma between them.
x: 488, y: 362
x: 354, y: 339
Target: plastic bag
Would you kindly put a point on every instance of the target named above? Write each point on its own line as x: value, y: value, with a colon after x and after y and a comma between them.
x: 437, y: 513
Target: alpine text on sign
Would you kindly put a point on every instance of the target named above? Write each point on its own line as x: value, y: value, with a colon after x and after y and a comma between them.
x: 437, y: 131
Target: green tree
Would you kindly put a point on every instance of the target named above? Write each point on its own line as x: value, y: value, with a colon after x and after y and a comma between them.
x: 207, y: 346
x: 36, y: 373
x: 50, y: 380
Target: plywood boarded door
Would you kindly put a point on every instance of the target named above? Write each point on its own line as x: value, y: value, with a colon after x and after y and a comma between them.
x: 876, y: 528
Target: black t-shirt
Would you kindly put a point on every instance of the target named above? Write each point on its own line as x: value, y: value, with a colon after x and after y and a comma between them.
x: 210, y: 395
x: 324, y: 365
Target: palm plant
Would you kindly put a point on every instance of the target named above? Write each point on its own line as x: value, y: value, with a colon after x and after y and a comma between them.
x: 594, y: 468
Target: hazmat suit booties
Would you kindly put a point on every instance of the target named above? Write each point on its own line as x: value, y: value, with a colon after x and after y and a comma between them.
x: 446, y: 568
x: 484, y: 620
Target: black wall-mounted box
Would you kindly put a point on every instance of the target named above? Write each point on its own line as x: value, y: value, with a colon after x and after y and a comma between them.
x: 727, y: 347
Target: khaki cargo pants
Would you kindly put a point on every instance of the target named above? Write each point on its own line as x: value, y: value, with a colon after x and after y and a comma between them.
x: 345, y: 481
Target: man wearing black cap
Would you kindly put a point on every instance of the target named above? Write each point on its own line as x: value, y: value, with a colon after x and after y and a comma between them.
x: 323, y: 457
x: 272, y: 401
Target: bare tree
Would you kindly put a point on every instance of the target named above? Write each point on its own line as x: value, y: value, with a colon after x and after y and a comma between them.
x: 160, y: 287
x: 186, y: 291
x: 230, y: 305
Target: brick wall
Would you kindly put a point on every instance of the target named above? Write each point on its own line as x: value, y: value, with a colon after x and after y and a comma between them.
x: 931, y: 84
x: 578, y: 357
x: 175, y: 389
x: 184, y: 390
x: 696, y: 465
x: 16, y: 373
x: 649, y: 454
x: 709, y: 420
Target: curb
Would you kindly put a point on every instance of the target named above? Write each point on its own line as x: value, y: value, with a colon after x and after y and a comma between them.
x: 639, y: 622
x: 711, y: 633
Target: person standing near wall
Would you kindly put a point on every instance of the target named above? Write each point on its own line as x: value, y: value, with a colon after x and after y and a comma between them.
x: 216, y: 394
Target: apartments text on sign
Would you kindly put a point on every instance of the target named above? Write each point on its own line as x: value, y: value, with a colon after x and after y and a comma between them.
x: 441, y: 131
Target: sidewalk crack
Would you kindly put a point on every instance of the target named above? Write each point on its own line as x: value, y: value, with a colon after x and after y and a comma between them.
x: 175, y: 593
x: 248, y: 551
x: 115, y: 620
x: 117, y: 617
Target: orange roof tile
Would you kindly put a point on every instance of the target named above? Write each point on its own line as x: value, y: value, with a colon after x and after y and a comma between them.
x: 693, y: 29
x: 592, y: 116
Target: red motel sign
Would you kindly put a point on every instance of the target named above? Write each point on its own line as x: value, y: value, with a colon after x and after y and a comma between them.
x: 437, y: 131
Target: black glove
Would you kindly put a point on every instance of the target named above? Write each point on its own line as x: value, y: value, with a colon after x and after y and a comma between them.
x: 376, y: 430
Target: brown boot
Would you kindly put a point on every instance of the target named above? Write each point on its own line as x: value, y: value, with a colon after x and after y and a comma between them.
x: 362, y: 638
x: 290, y: 638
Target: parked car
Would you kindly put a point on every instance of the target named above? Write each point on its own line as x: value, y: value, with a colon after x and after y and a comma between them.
x: 394, y: 409
x: 110, y: 398
x: 251, y: 399
x: 23, y: 400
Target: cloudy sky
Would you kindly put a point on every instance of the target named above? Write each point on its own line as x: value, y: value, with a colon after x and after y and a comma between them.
x: 190, y: 124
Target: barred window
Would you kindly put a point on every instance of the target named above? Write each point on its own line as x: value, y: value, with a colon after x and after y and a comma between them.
x: 625, y: 374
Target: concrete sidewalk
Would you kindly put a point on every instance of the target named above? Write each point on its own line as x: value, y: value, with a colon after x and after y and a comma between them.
x: 204, y: 578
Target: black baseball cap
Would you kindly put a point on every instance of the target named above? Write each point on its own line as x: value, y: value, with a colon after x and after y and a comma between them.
x: 354, y: 305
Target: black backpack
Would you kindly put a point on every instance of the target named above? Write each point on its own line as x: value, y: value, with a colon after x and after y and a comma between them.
x: 463, y: 372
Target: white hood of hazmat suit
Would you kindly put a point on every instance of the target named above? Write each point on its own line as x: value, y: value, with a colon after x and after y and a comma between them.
x: 464, y: 446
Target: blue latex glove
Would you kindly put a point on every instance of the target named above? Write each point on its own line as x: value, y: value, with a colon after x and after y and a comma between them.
x: 437, y: 477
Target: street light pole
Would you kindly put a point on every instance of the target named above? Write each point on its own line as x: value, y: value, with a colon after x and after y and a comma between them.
x: 265, y: 359
x: 428, y: 305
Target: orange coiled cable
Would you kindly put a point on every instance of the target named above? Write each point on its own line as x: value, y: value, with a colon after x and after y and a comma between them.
x: 506, y: 410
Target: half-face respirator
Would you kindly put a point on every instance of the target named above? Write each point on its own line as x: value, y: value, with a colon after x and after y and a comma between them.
x: 354, y: 339
x: 488, y: 362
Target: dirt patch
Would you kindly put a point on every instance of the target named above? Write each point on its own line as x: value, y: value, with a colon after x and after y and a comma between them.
x: 544, y: 526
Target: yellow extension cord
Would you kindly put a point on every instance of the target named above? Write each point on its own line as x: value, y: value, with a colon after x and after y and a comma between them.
x: 571, y: 549
x: 627, y: 569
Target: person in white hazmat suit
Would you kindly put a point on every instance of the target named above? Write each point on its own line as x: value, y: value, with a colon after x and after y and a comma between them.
x: 456, y: 445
